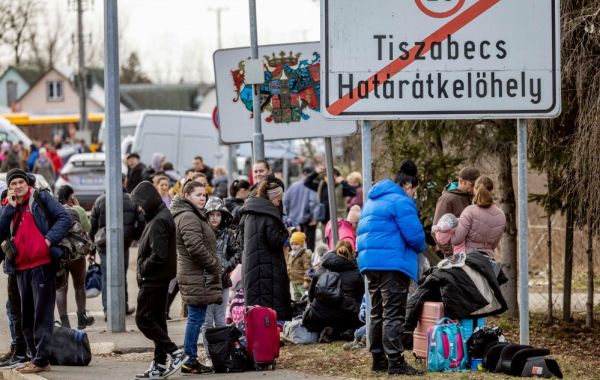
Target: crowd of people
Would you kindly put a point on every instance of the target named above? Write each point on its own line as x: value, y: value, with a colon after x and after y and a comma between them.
x: 194, y: 230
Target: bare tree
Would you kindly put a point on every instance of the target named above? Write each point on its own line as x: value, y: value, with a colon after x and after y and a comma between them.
x: 18, y: 19
x: 47, y: 44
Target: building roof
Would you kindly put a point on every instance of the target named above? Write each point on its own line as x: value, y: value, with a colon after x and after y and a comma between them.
x: 179, y: 97
x: 30, y: 74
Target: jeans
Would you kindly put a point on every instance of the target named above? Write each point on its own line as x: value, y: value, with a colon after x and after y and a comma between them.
x: 196, y: 315
x: 37, y: 288
x: 151, y: 319
x: 11, y: 325
x: 103, y: 265
x: 215, y: 317
x: 360, y: 332
x: 389, y: 291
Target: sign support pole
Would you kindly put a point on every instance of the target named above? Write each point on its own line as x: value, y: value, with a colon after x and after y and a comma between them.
x: 367, y: 183
x: 258, y: 140
x: 523, y: 231
x: 331, y: 190
x: 114, y: 198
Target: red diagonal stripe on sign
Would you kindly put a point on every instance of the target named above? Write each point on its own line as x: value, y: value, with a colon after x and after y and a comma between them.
x: 398, y: 65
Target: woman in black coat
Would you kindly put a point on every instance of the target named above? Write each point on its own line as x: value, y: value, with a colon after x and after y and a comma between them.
x: 341, y: 315
x: 264, y: 269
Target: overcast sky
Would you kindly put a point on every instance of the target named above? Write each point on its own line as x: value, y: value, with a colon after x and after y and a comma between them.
x: 176, y: 38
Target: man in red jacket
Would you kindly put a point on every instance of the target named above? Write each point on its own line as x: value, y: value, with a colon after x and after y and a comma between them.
x: 55, y: 158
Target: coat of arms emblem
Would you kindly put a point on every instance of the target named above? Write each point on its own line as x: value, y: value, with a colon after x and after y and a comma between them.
x: 291, y: 85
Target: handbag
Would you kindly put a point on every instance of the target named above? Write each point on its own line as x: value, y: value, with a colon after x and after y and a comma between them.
x: 100, y: 237
x: 8, y: 246
x: 93, y: 280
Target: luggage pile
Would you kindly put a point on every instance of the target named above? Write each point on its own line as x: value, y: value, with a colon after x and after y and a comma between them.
x: 449, y: 346
x: 253, y: 344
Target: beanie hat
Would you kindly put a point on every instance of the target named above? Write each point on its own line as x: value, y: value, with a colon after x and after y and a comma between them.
x: 354, y: 214
x: 14, y: 174
x: 298, y: 238
x: 469, y: 174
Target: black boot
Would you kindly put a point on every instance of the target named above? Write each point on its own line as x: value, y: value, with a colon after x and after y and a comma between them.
x: 84, y: 320
x: 401, y: 367
x: 380, y: 363
x: 64, y: 321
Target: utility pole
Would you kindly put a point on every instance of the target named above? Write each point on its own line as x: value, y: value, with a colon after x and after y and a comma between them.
x: 231, y: 149
x: 81, y: 76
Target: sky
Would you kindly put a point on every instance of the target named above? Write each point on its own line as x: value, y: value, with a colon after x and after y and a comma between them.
x: 175, y: 39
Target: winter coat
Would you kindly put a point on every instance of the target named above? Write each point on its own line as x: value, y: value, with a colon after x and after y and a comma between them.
x: 136, y: 175
x: 133, y: 218
x: 234, y: 205
x: 345, y: 232
x: 356, y: 200
x: 264, y: 269
x: 298, y: 265
x: 480, y: 228
x: 390, y: 234
x: 157, y: 255
x: 219, y: 185
x: 54, y: 230
x: 198, y: 266
x: 452, y: 201
x: 462, y: 297
x: 229, y: 251
x: 342, y: 316
x: 44, y: 167
x: 11, y: 161
x: 342, y: 190
x: 297, y: 202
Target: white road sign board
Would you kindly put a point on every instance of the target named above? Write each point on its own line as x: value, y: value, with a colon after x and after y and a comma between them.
x: 290, y: 95
x: 434, y: 59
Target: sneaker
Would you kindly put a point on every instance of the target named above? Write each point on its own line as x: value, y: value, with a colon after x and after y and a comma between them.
x: 84, y: 320
x: 401, y: 367
x: 177, y: 357
x: 196, y: 368
x: 29, y: 367
x: 208, y: 362
x: 7, y: 356
x: 155, y: 371
x: 17, y: 361
x: 129, y: 310
x: 325, y: 336
x: 349, y: 345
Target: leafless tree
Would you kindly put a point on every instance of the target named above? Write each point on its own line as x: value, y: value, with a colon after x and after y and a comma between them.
x: 17, y: 20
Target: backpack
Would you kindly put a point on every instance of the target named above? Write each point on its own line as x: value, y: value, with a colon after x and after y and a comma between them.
x: 69, y: 347
x: 237, y: 308
x: 76, y: 242
x: 446, y: 349
x: 226, y: 349
x: 328, y: 287
x: 93, y: 280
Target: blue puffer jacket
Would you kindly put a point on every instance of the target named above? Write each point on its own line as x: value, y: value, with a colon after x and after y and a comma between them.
x: 53, y: 230
x: 390, y: 235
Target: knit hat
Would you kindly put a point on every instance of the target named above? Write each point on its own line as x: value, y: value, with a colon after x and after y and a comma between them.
x: 469, y: 174
x: 14, y: 174
x: 298, y: 238
x: 354, y: 214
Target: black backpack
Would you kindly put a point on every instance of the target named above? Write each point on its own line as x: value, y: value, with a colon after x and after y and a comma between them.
x: 226, y: 349
x: 328, y: 287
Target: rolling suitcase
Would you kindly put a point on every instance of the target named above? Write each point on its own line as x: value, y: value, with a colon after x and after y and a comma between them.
x: 262, y: 336
x: 431, y: 313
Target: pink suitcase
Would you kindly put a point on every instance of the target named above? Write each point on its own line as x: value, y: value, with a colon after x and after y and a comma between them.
x: 262, y: 336
x: 431, y: 313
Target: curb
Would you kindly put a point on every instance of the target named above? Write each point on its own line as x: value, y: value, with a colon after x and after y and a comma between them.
x: 11, y: 374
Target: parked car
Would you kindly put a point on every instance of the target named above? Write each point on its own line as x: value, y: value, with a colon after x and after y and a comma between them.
x: 85, y: 173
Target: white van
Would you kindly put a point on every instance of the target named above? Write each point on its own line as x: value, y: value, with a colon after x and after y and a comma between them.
x: 180, y: 136
x: 12, y: 133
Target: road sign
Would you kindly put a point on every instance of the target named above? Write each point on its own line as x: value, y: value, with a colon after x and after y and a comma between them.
x: 433, y: 59
x: 289, y: 95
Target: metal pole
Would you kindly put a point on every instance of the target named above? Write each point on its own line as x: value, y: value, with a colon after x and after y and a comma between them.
x: 523, y: 230
x: 231, y: 149
x: 331, y: 190
x: 258, y: 139
x: 367, y: 183
x: 114, y: 197
x: 83, y: 122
